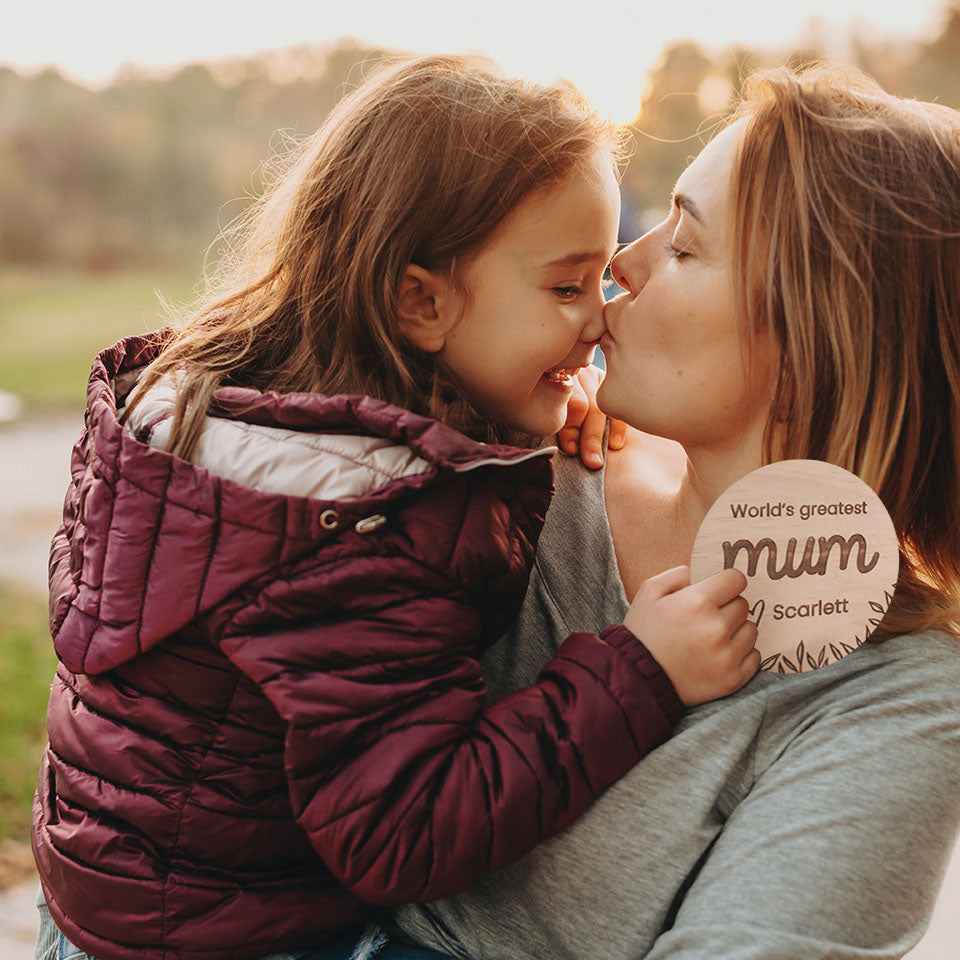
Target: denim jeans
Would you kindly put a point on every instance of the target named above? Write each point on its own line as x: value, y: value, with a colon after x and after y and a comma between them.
x: 373, y: 945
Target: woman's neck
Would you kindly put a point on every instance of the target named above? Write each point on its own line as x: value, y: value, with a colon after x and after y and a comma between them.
x: 657, y: 494
x: 708, y: 472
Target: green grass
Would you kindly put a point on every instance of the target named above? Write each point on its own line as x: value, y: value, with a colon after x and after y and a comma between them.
x: 52, y: 324
x: 27, y: 665
x: 54, y: 321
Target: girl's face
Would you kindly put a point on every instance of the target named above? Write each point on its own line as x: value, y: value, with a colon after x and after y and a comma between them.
x: 534, y: 306
x: 676, y: 364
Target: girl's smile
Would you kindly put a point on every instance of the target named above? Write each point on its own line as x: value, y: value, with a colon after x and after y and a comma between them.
x: 532, y: 313
x: 562, y: 377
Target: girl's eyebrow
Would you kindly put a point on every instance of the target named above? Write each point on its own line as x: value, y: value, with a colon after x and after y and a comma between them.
x: 683, y: 202
x: 576, y: 259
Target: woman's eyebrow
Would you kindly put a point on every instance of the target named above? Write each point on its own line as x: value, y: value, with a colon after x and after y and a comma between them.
x: 683, y: 202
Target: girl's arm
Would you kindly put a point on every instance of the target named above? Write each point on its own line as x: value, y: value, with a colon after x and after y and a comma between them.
x: 407, y: 787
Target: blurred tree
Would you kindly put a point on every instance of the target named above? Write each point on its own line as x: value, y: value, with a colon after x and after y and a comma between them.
x: 672, y: 125
x: 935, y: 74
x: 148, y: 169
x: 140, y: 172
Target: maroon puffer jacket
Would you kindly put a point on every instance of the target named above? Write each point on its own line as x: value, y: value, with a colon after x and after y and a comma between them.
x: 266, y: 720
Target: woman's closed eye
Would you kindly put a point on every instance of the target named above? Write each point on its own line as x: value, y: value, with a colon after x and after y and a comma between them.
x: 676, y: 252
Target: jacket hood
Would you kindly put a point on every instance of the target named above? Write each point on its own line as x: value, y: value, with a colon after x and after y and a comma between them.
x: 150, y: 542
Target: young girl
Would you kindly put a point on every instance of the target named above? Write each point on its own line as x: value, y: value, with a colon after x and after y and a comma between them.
x: 285, y: 545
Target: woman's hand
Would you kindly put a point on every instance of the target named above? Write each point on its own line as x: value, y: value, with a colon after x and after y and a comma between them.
x: 698, y: 633
x: 583, y: 430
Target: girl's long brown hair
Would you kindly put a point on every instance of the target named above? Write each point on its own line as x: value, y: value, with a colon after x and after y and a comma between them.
x: 418, y: 165
x: 847, y: 240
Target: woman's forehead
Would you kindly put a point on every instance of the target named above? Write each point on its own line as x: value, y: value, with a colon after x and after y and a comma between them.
x: 706, y: 182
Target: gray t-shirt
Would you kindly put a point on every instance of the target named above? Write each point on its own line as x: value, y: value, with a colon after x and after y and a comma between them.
x: 806, y: 816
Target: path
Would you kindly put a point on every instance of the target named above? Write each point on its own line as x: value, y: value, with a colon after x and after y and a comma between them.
x: 34, y: 465
x: 34, y: 469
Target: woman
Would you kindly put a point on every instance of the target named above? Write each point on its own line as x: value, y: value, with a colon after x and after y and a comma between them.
x: 802, y: 299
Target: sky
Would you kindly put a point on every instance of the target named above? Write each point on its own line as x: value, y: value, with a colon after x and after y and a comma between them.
x: 602, y: 47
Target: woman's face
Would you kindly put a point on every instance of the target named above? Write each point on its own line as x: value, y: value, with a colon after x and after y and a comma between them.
x: 676, y: 363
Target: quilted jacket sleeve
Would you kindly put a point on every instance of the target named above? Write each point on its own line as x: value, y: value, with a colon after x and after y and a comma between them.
x: 408, y: 788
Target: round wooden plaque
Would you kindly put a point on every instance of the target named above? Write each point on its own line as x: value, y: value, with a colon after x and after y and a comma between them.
x: 820, y: 555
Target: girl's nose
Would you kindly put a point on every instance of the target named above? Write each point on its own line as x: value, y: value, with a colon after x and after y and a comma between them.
x: 626, y: 267
x: 594, y: 328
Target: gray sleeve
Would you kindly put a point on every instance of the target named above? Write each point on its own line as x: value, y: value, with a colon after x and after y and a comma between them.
x: 574, y: 584
x: 838, y: 851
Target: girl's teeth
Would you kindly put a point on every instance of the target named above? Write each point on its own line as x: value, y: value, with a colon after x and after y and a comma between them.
x: 561, y: 375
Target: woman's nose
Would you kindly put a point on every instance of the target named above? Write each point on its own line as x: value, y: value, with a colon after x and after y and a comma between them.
x: 626, y: 267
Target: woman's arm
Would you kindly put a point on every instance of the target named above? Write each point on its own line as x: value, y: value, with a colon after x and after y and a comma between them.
x: 839, y: 848
x: 804, y: 817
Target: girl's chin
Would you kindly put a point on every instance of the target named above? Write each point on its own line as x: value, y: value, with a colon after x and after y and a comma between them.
x: 538, y: 421
x: 542, y: 412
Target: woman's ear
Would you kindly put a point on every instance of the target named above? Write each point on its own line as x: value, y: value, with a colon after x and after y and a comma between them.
x: 427, y: 311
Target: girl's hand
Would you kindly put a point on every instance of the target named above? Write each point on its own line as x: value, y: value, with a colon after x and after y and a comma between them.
x: 699, y: 634
x: 583, y: 430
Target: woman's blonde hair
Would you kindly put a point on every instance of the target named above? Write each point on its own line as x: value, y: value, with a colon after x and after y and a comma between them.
x: 418, y: 165
x: 847, y: 249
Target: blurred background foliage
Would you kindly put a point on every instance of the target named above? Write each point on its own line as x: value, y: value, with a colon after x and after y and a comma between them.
x: 112, y: 196
x: 141, y: 173
x: 138, y: 173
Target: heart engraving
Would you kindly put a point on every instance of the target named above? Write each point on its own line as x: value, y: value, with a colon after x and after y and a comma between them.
x: 756, y: 612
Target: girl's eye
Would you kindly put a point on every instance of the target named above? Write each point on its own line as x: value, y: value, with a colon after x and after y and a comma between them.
x: 568, y: 293
x: 674, y: 252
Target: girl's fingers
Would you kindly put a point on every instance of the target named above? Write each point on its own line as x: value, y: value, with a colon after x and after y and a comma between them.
x: 676, y: 578
x: 591, y: 438
x: 751, y: 663
x: 593, y: 421
x: 734, y: 614
x: 618, y: 434
x: 578, y: 406
x: 568, y: 439
x: 722, y: 587
x: 745, y: 638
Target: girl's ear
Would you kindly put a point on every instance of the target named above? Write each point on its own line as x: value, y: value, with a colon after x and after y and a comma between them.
x: 427, y: 308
